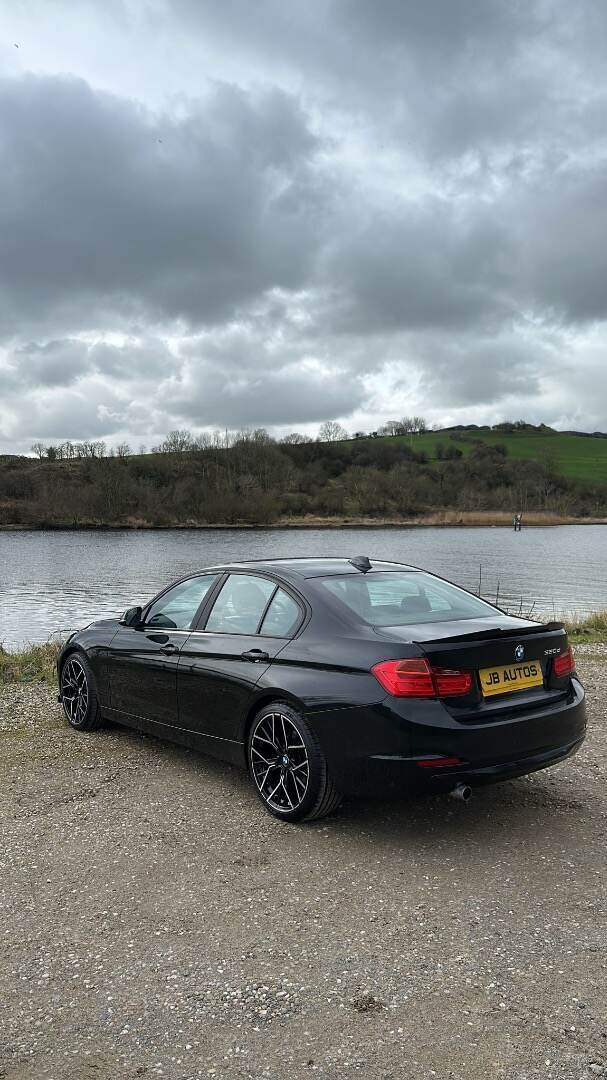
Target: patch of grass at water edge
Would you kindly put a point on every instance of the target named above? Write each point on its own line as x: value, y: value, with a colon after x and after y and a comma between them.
x: 587, y: 628
x: 34, y: 663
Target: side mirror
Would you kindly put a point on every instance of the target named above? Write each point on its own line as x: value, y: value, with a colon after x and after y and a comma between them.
x: 131, y: 617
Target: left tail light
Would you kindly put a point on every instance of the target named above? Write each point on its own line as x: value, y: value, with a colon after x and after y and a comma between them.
x: 564, y: 664
x: 415, y: 678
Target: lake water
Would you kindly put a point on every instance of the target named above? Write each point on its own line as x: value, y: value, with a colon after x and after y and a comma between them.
x: 57, y: 581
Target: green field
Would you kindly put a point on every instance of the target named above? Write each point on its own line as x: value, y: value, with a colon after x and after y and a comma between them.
x: 576, y: 456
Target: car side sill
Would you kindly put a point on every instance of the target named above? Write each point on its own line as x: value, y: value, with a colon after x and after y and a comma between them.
x: 167, y: 727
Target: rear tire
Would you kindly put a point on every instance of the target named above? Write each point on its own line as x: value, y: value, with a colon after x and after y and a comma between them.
x: 79, y: 693
x: 288, y: 767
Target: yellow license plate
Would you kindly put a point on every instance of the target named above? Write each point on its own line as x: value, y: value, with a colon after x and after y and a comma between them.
x: 503, y: 680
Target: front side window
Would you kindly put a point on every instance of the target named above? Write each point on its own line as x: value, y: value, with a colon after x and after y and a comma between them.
x: 240, y: 605
x: 398, y: 599
x: 282, y: 616
x: 175, y: 610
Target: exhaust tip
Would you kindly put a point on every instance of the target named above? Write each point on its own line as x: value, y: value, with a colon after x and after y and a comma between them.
x: 461, y: 792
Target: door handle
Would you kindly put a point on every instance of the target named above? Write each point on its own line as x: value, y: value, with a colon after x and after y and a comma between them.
x: 255, y: 655
x: 170, y: 648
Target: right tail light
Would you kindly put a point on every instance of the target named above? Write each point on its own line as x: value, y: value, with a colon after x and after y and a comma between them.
x: 415, y: 678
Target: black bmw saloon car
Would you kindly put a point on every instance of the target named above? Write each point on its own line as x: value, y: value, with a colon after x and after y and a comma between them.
x: 332, y: 677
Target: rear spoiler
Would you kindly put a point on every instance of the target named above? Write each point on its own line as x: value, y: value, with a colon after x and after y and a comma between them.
x: 498, y: 632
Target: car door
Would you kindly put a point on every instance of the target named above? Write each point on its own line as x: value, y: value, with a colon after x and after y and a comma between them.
x: 222, y: 662
x: 143, y: 659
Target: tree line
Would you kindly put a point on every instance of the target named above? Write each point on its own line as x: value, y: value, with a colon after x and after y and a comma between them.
x: 181, y: 440
x: 252, y: 478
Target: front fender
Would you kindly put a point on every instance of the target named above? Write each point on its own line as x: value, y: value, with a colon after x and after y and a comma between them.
x: 93, y: 643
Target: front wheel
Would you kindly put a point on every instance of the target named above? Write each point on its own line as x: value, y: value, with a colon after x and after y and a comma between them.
x: 288, y: 767
x: 79, y: 694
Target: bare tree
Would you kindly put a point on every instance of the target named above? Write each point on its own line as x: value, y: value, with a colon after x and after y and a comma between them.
x: 412, y: 425
x: 259, y: 436
x: 294, y: 438
x: 177, y: 442
x: 392, y: 427
x: 37, y: 448
x: 222, y: 439
x: 123, y: 450
x: 203, y: 441
x: 331, y: 431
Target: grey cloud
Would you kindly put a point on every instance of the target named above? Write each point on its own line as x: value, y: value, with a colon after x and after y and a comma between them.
x: 422, y: 265
x: 68, y: 413
x: 234, y: 377
x: 439, y: 27
x: 561, y: 257
x: 106, y: 207
x: 470, y: 371
x: 440, y: 77
x: 64, y: 362
x: 145, y: 361
x: 247, y: 381
x: 481, y: 76
x: 272, y: 399
x: 55, y: 363
x: 351, y: 40
x: 394, y: 194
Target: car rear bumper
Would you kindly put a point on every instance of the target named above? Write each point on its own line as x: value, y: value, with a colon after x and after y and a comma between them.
x: 493, y: 773
x: 389, y: 749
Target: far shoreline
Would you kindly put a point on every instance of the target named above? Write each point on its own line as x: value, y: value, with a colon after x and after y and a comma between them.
x: 441, y: 519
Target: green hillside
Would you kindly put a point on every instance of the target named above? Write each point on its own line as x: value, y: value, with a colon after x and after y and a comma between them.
x: 576, y: 456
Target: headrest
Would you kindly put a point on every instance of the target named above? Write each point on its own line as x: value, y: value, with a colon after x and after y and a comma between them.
x: 415, y: 603
x: 249, y: 595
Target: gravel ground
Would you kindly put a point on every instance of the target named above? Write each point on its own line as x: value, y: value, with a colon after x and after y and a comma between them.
x: 156, y: 922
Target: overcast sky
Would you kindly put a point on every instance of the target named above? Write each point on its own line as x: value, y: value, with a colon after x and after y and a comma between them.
x: 277, y: 212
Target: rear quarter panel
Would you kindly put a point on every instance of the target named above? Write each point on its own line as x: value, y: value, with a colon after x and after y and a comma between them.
x: 323, y: 674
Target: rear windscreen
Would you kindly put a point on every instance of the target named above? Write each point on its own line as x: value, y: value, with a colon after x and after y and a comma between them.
x: 396, y: 599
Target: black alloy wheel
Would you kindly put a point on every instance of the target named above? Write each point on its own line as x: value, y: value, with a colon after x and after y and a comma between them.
x: 79, y: 694
x: 288, y: 767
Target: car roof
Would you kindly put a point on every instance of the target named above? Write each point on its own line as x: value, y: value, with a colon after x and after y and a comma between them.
x: 297, y: 568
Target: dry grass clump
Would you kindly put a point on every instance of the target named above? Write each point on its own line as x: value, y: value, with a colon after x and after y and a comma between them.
x: 34, y: 663
x: 591, y: 627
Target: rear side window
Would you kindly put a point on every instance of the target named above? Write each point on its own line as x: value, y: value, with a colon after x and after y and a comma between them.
x: 282, y: 616
x: 399, y: 599
x: 240, y: 605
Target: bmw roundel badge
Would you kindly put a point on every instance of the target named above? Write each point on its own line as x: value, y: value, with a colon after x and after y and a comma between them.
x: 519, y: 652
